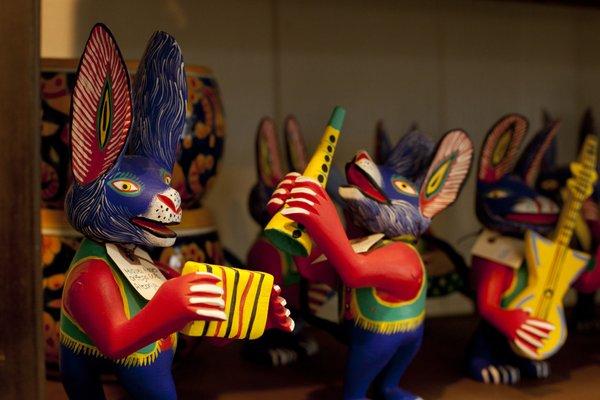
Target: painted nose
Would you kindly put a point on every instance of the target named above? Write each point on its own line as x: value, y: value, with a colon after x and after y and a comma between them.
x: 169, y: 203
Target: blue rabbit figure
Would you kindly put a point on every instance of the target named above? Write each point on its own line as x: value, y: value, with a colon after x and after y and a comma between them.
x: 118, y: 310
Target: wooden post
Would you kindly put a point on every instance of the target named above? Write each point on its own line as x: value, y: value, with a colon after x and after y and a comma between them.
x: 21, y: 358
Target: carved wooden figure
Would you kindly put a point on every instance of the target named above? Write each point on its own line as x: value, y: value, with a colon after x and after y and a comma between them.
x: 385, y: 279
x: 118, y: 309
x: 515, y: 335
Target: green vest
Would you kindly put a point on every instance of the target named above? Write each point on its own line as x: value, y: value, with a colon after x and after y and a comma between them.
x: 75, y: 338
x: 519, y: 282
x: 375, y: 314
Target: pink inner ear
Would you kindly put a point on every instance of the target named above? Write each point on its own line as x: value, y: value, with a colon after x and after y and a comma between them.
x: 488, y: 170
x: 456, y: 146
x: 101, y: 114
x: 536, y: 164
x: 267, y: 153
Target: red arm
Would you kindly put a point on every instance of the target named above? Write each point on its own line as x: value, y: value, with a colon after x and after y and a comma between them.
x: 264, y: 257
x: 93, y: 299
x: 492, y: 280
x: 320, y: 272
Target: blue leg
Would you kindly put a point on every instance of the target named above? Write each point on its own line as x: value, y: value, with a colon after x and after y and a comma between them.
x: 81, y: 375
x: 411, y: 342
x: 149, y: 382
x: 368, y: 355
x: 490, y: 358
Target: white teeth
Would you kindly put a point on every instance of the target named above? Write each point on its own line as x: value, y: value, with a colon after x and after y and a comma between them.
x: 547, y: 206
x: 350, y: 193
x: 526, y: 206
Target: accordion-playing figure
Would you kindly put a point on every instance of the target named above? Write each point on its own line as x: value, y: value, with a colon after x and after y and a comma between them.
x: 390, y: 206
x: 518, y: 259
x: 118, y: 310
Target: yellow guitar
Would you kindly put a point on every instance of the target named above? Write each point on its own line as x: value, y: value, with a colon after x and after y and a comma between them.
x: 551, y: 265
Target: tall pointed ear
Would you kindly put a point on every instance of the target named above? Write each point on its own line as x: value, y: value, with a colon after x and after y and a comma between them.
x: 546, y: 117
x: 447, y: 173
x: 268, y: 159
x: 550, y: 155
x: 383, y: 146
x: 587, y: 127
x: 159, y: 101
x: 101, y: 107
x: 530, y: 163
x: 410, y: 157
x: 501, y: 146
x: 294, y: 145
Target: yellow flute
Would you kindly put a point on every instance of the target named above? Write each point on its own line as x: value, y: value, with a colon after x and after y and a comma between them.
x: 284, y: 233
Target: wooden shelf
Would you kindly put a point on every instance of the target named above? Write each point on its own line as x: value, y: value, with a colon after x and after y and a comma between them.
x: 436, y: 373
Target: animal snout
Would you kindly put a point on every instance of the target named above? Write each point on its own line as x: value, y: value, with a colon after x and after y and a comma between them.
x: 174, y: 204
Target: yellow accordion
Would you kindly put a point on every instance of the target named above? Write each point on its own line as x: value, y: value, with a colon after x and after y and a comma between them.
x: 246, y: 295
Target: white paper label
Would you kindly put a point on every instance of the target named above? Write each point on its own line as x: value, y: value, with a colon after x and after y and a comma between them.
x: 138, y: 268
x: 504, y: 250
x: 360, y: 245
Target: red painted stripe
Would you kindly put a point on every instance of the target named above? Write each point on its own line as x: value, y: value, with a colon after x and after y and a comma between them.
x: 224, y: 279
x: 242, y: 302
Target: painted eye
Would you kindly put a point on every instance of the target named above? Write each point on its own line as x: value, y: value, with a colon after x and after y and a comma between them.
x: 549, y: 184
x: 166, y: 177
x: 497, y: 194
x: 125, y: 186
x: 404, y: 187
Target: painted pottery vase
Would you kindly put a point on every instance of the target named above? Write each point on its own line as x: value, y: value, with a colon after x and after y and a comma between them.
x: 200, y: 151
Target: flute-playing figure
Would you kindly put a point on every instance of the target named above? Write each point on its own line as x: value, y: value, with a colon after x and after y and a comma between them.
x: 391, y: 205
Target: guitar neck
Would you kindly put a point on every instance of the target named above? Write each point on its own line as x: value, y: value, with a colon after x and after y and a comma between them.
x: 579, y: 187
x: 566, y: 223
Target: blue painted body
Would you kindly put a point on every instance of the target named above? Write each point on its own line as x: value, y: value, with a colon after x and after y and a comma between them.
x: 150, y: 382
x: 369, y: 353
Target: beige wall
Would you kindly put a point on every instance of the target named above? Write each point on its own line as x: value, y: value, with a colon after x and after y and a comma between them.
x: 443, y: 64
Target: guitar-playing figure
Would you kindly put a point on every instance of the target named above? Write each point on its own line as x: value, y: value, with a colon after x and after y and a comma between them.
x: 552, y: 266
x: 508, y: 205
